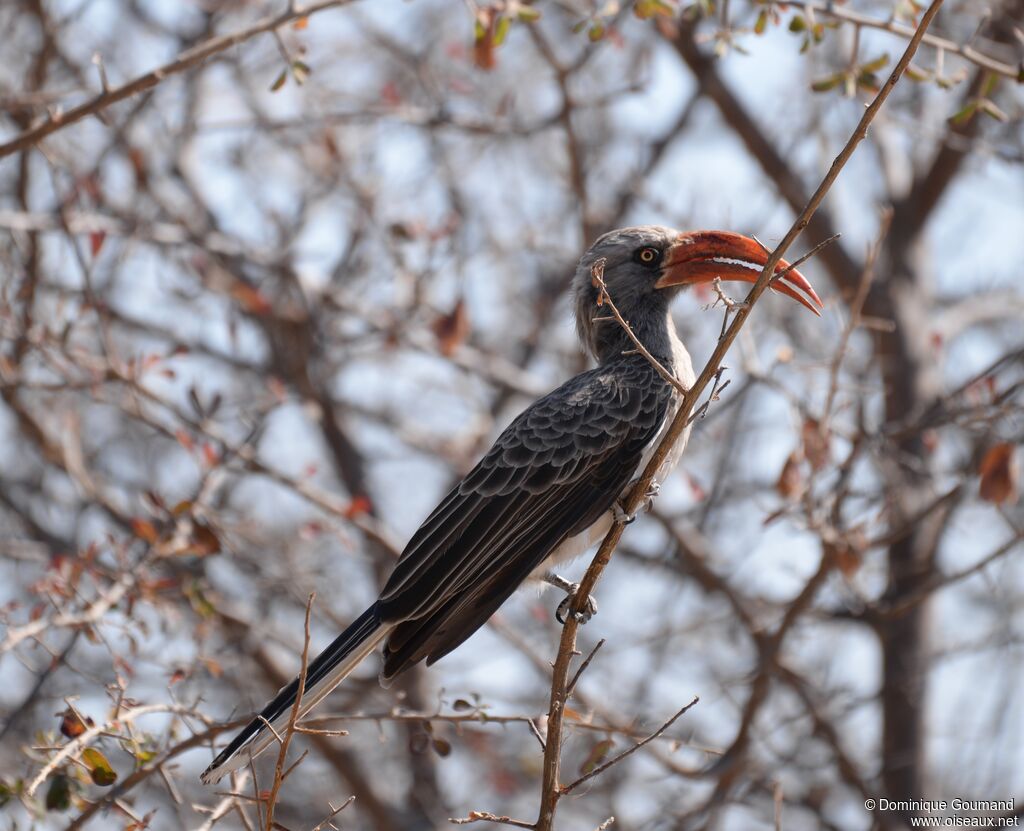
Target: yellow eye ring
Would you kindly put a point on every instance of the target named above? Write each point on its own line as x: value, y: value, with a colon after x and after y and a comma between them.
x: 647, y: 255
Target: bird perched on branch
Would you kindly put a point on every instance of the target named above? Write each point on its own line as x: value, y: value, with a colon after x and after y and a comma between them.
x: 549, y: 487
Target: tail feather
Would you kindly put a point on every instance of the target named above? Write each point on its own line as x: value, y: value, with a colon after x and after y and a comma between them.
x: 323, y: 674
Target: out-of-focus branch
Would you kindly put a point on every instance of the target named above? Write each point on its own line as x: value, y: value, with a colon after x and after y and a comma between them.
x: 966, y: 51
x: 82, y: 741
x: 186, y: 60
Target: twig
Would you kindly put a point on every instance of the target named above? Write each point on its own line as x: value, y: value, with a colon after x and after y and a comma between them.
x: 486, y: 816
x: 334, y: 812
x: 629, y: 751
x: 186, y: 60
x: 967, y: 52
x: 597, y: 273
x: 801, y: 260
x: 550, y: 787
x: 582, y: 669
x: 224, y: 806
x: 279, y: 774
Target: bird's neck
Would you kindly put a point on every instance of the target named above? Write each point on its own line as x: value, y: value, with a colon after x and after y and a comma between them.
x: 653, y: 328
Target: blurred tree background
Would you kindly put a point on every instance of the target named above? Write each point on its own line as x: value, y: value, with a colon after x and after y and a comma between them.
x: 257, y: 316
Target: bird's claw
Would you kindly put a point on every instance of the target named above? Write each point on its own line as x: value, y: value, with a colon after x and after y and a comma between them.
x: 623, y: 517
x: 651, y: 494
x: 565, y: 607
x: 571, y: 590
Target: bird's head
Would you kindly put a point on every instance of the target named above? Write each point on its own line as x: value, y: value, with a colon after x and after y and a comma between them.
x: 644, y: 268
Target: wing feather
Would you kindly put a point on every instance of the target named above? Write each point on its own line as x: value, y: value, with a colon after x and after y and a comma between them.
x: 554, y: 471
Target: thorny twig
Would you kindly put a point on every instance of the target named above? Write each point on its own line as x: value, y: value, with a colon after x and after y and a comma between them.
x: 279, y: 773
x: 629, y: 751
x: 550, y: 787
x: 604, y: 298
x: 84, y: 740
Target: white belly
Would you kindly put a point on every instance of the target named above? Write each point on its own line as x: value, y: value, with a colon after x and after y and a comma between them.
x: 574, y: 546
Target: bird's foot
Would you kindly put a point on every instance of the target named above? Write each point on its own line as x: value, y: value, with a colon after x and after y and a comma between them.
x: 623, y: 517
x: 570, y: 589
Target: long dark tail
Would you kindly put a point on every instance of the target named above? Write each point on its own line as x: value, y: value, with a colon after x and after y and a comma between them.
x: 327, y: 670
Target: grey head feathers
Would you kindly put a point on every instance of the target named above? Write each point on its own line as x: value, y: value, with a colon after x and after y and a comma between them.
x: 630, y: 284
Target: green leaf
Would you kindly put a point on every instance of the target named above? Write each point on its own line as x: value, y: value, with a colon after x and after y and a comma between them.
x: 965, y: 114
x: 101, y: 771
x: 501, y: 30
x: 7, y: 792
x: 868, y: 81
x: 597, y: 755
x: 461, y: 705
x: 798, y: 24
x: 58, y: 795
x: 527, y: 14
x: 646, y: 9
x: 916, y: 74
x: 301, y: 72
x: 279, y: 81
x: 875, y: 65
x: 596, y: 32
x: 761, y: 23
x: 828, y: 83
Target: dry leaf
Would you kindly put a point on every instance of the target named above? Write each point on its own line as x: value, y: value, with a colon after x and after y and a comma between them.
x: 790, y: 484
x: 204, y: 541
x: 452, y: 329
x: 816, y: 443
x: 999, y: 474
x: 145, y: 530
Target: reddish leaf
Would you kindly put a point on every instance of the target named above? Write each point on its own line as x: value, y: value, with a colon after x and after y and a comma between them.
x: 999, y: 474
x: 184, y: 439
x: 96, y: 240
x: 145, y: 530
x: 816, y: 443
x: 251, y: 299
x: 452, y: 329
x: 177, y: 676
x: 204, y: 540
x: 210, y: 454
x: 301, y: 23
x: 71, y: 724
x: 390, y: 95
x: 484, y: 40
x: 790, y: 484
x: 358, y: 506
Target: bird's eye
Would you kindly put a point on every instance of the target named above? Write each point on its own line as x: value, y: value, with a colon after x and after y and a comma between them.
x: 648, y: 255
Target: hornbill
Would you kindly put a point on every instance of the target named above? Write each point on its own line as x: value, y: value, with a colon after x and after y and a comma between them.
x: 549, y: 487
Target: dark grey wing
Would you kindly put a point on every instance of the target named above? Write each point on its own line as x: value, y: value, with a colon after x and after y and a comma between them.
x: 553, y: 472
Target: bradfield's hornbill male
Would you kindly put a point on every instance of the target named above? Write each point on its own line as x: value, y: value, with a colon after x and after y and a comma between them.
x: 549, y: 487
